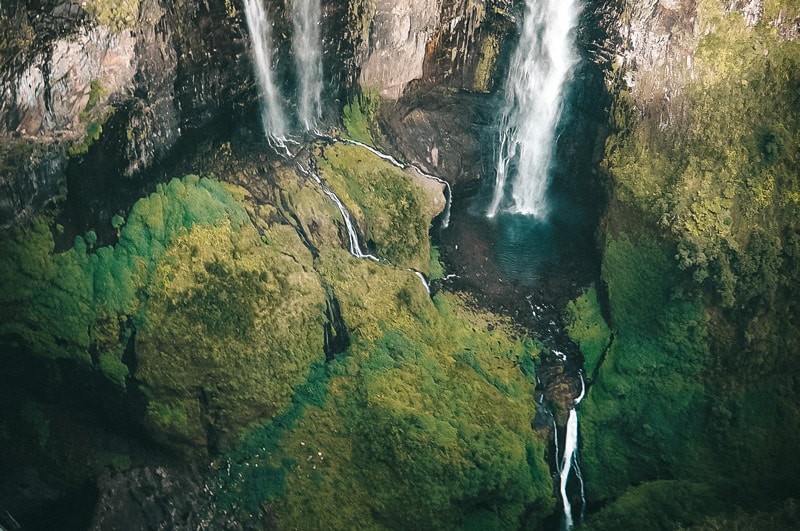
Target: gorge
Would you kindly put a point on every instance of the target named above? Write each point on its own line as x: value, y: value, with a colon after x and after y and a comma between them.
x: 364, y: 264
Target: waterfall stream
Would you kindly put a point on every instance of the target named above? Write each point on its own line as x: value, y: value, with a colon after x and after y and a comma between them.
x: 306, y: 47
x: 272, y: 116
x: 355, y: 247
x: 534, y: 95
x: 570, y: 460
x: 397, y: 163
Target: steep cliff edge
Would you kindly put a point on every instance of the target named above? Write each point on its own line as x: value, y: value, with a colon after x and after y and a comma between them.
x: 148, y: 73
x: 696, y: 397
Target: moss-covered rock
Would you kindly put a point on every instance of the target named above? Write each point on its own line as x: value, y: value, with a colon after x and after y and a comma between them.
x: 431, y: 411
x: 701, y: 268
x: 231, y: 325
x: 392, y: 208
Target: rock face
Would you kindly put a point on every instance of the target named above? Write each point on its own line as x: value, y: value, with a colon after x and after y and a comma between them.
x: 395, y: 48
x: 700, y: 260
x: 66, y: 74
x: 139, y: 84
x: 437, y: 108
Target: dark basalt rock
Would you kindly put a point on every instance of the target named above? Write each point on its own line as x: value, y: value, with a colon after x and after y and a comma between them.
x: 183, y: 66
x: 158, y: 498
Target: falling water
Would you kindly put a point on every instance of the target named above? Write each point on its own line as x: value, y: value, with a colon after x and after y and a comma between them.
x: 306, y: 45
x: 355, y: 247
x: 534, y: 91
x: 570, y: 459
x: 260, y: 28
x: 397, y: 163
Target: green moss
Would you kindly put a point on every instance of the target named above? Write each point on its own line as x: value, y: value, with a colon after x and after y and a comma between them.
x: 484, y: 70
x: 116, y: 14
x: 435, y: 268
x: 359, y: 117
x: 699, y: 306
x: 230, y: 322
x: 391, y: 207
x: 587, y: 327
x: 57, y: 305
x: 408, y: 423
x: 661, y: 351
x: 429, y: 407
x: 658, y: 505
x: 93, y: 116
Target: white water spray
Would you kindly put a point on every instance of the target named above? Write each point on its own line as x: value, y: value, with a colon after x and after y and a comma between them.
x: 423, y: 280
x: 570, y: 459
x: 306, y: 47
x: 272, y: 116
x: 534, y: 96
x: 355, y: 247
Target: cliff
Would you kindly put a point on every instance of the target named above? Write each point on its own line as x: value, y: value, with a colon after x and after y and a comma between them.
x: 694, y: 399
x: 209, y: 345
x: 131, y: 80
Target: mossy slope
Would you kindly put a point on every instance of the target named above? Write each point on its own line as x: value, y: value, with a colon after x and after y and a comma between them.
x: 701, y: 265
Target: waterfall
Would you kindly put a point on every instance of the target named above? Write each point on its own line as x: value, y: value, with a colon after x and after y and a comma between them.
x: 570, y: 459
x: 423, y: 280
x: 355, y: 247
x: 397, y: 163
x: 306, y: 44
x: 534, y: 95
x: 260, y: 28
x: 570, y: 445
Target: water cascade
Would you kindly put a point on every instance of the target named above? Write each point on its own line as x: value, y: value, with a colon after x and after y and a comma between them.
x: 355, y: 247
x: 534, y: 96
x: 570, y: 459
x: 272, y: 116
x: 306, y: 47
x: 397, y: 163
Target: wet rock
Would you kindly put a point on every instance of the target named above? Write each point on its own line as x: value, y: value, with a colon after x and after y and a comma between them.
x: 173, y: 72
x: 394, y: 51
x: 158, y: 498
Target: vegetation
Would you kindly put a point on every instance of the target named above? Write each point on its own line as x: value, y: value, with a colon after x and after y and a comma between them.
x: 435, y: 268
x: 587, y: 327
x: 93, y: 118
x: 68, y: 304
x: 402, y: 420
x: 229, y: 330
x: 391, y: 206
x: 225, y: 309
x: 360, y: 116
x: 702, y: 273
x: 116, y: 14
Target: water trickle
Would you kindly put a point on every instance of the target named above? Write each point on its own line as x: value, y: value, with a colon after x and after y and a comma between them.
x: 397, y: 163
x: 534, y: 96
x: 423, y: 280
x: 355, y: 247
x: 570, y: 460
x: 272, y: 116
x: 306, y: 47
